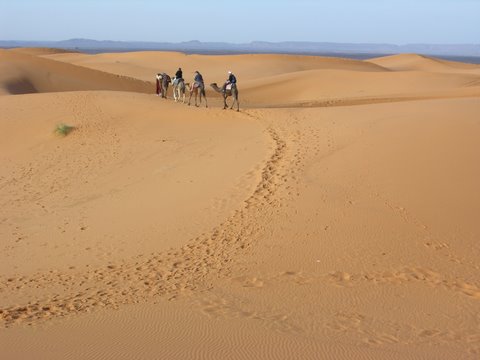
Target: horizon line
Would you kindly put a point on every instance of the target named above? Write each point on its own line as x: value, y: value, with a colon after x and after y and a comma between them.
x: 239, y: 43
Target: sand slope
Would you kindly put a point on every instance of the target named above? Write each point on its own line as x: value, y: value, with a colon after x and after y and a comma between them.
x: 335, y: 217
x: 414, y: 62
x: 126, y: 150
x: 23, y: 74
x: 302, y: 88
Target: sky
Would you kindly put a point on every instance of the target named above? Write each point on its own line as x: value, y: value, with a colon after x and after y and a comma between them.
x: 242, y: 21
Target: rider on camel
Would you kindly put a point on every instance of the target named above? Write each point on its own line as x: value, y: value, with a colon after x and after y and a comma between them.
x: 231, y: 80
x: 178, y: 76
x: 198, y: 80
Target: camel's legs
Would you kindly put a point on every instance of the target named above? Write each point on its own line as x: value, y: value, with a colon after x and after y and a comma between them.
x: 206, y: 104
x: 235, y: 100
x: 190, y: 98
x: 198, y: 94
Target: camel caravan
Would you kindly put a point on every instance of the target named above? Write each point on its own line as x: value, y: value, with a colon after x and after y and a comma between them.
x: 197, y: 88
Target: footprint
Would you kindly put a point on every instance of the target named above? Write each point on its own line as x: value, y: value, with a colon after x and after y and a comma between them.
x: 426, y: 333
x: 436, y: 245
x: 247, y: 281
x: 340, y: 278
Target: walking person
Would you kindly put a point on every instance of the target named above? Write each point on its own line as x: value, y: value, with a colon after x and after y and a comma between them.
x: 159, y: 85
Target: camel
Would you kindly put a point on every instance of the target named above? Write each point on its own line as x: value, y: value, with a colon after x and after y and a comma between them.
x: 233, y: 92
x: 179, y: 89
x: 165, y: 80
x: 198, y: 90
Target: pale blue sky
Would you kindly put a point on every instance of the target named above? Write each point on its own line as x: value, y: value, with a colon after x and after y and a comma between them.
x: 374, y: 21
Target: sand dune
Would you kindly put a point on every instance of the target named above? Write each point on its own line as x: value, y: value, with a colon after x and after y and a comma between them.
x: 144, y: 65
x: 414, y: 62
x: 335, y: 216
x: 314, y: 85
x: 24, y: 74
x: 281, y: 80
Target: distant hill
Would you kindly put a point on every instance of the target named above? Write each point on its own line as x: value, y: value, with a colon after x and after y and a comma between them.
x: 290, y: 47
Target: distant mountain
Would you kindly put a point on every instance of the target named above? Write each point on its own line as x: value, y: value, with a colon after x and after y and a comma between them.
x: 288, y: 47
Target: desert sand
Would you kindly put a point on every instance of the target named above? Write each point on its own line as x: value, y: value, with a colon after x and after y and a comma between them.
x: 334, y: 217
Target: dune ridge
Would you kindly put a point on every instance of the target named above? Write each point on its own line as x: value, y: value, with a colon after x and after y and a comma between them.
x: 41, y: 51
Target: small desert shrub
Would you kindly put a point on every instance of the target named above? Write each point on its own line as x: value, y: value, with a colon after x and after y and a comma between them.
x: 63, y: 129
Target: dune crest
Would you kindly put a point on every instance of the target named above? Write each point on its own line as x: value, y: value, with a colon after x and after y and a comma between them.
x: 415, y: 62
x: 41, y: 51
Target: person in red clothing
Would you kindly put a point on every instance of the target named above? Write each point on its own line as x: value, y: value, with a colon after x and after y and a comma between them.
x: 159, y: 85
